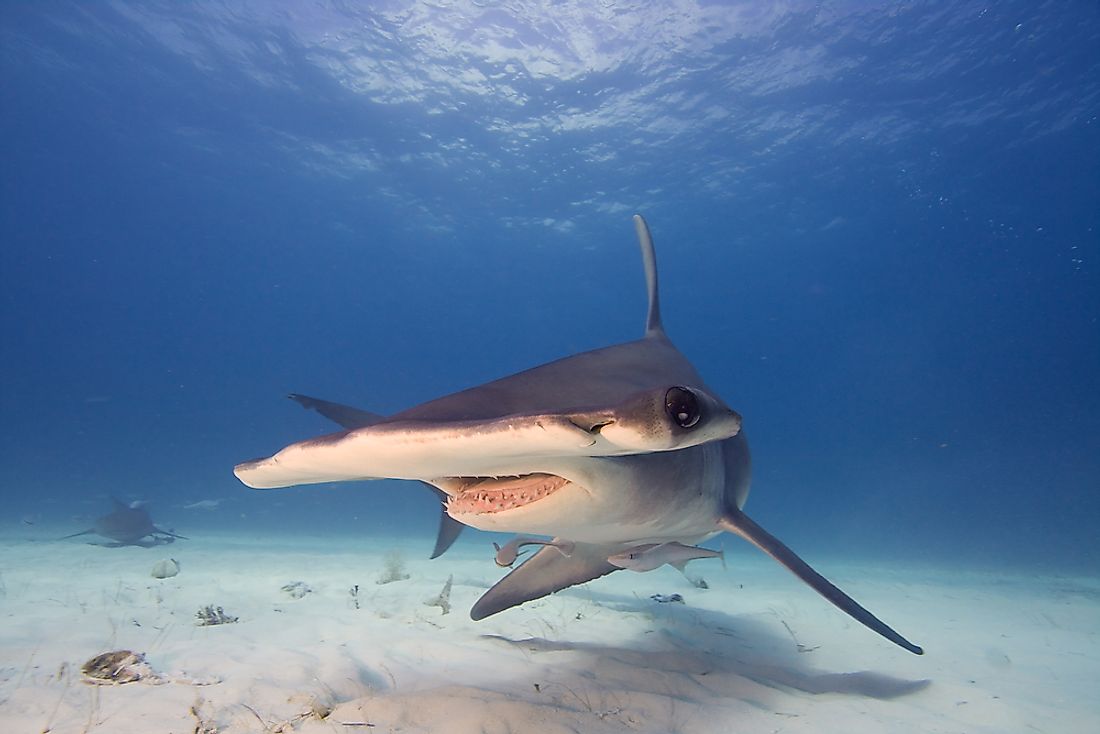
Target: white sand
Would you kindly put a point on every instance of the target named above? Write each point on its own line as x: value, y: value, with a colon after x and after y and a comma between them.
x: 1004, y: 653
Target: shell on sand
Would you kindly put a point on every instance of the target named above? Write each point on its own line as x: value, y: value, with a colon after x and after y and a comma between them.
x: 165, y: 569
x: 118, y: 666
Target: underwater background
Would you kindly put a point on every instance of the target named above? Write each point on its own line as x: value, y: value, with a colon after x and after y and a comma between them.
x: 877, y: 226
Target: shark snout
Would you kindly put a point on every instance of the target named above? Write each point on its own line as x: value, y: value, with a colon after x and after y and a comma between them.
x: 735, y: 422
x: 727, y: 425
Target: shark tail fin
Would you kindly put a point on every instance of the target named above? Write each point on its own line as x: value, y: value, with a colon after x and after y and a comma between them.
x: 89, y: 531
x: 169, y: 532
x: 741, y: 524
x: 653, y: 325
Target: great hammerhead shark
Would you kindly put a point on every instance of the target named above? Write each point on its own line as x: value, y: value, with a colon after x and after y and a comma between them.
x: 129, y: 525
x: 606, y: 450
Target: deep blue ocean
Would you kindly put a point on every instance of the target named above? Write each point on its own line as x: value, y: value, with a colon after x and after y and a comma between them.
x: 877, y: 225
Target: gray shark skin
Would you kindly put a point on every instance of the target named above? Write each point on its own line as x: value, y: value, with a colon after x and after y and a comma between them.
x: 128, y: 525
x: 607, y: 450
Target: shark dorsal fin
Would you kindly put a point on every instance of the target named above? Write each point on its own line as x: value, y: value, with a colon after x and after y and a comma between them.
x: 653, y: 325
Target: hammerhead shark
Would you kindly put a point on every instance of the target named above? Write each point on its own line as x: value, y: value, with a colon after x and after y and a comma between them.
x: 129, y: 525
x: 606, y: 450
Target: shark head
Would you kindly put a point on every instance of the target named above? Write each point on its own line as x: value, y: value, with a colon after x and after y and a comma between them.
x: 531, y: 472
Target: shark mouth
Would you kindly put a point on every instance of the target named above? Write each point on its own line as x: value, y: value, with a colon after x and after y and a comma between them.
x: 486, y: 495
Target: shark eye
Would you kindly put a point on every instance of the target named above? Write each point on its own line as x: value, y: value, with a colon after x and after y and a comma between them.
x: 682, y: 406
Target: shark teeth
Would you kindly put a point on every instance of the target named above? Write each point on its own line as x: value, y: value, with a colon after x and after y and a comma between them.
x: 483, y: 495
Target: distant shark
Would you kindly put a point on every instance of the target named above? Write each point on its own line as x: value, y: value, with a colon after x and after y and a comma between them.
x: 608, y: 450
x: 129, y: 525
x: 204, y: 505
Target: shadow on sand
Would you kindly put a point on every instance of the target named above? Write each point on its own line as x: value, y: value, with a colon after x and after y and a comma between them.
x: 688, y: 670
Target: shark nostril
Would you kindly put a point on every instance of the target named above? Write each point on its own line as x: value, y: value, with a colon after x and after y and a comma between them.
x: 594, y: 426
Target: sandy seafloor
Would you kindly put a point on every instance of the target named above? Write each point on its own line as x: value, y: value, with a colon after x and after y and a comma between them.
x: 1005, y: 652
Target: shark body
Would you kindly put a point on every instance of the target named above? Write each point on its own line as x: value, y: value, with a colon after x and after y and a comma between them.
x: 129, y: 525
x: 606, y: 450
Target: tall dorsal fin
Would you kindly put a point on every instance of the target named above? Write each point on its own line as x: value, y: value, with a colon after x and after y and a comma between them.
x: 653, y: 325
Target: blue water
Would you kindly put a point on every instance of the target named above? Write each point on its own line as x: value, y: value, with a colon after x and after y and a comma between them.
x: 877, y: 227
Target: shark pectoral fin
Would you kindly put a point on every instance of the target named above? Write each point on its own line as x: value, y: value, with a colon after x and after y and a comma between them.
x: 343, y: 415
x: 741, y: 524
x: 449, y: 528
x: 544, y: 573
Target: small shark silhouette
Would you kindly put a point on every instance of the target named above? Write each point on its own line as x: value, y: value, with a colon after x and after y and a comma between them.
x: 129, y: 525
x: 607, y: 450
